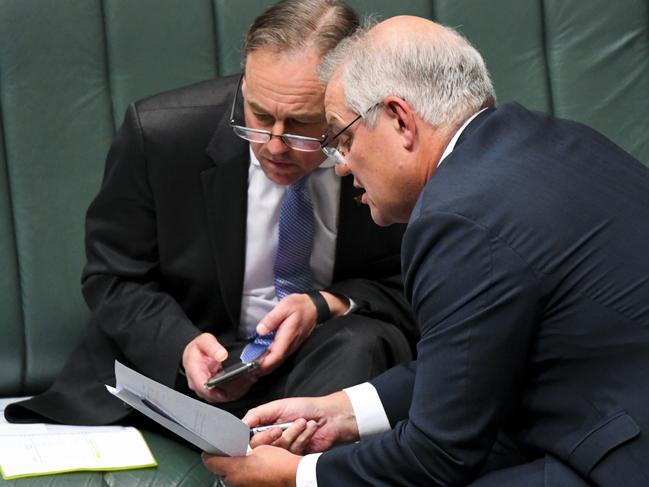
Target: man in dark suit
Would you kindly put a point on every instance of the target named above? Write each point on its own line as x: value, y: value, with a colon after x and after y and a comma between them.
x: 525, y: 260
x: 182, y: 237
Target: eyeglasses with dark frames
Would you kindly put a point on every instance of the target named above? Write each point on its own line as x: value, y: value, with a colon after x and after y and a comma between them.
x: 295, y: 142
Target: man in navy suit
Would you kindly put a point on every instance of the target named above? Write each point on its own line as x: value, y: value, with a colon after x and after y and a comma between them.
x: 525, y: 260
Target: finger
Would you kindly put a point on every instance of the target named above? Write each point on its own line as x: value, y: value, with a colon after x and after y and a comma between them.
x: 252, y: 418
x: 210, y: 346
x: 291, y: 304
x: 291, y: 434
x: 287, y: 339
x: 272, y: 320
x: 197, y: 376
x: 232, y: 390
x: 196, y: 379
x: 271, y: 361
x: 220, y: 465
x: 214, y: 395
x: 300, y: 443
x: 270, y: 413
x: 265, y: 437
x: 203, y: 356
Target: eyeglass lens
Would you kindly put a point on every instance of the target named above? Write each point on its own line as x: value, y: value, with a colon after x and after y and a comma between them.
x: 295, y: 142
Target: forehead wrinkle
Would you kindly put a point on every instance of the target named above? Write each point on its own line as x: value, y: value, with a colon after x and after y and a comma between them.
x: 298, y: 92
x: 303, y: 115
x: 301, y: 102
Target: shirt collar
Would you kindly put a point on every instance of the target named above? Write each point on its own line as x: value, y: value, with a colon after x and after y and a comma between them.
x: 451, y: 145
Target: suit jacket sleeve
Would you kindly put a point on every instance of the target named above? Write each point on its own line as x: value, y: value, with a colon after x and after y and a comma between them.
x: 395, y: 387
x: 476, y: 302
x: 381, y: 297
x: 120, y: 278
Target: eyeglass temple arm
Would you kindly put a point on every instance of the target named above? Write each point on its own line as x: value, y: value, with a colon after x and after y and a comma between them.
x: 236, y: 98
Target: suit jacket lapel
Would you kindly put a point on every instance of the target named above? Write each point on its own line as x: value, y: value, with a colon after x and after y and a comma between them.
x: 225, y: 189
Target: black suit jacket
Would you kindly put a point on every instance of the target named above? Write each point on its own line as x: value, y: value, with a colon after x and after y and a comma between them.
x: 526, y: 262
x: 165, y: 241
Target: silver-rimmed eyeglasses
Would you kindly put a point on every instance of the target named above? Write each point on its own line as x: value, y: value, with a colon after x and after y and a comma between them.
x: 341, y: 147
x: 296, y: 142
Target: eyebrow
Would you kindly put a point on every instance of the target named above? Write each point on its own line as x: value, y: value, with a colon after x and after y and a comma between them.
x: 301, y: 117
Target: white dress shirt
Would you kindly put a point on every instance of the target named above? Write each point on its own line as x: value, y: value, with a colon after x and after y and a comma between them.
x: 264, y: 202
x: 366, y: 403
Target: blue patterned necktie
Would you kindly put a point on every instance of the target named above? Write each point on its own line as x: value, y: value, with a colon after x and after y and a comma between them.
x: 292, y: 269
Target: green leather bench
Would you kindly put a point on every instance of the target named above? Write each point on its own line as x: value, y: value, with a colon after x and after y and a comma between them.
x: 69, y: 68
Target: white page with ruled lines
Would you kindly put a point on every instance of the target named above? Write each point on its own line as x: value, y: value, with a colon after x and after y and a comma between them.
x: 40, y: 449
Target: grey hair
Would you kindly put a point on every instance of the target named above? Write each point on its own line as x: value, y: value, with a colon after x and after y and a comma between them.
x: 292, y: 25
x: 337, y: 56
x: 445, y: 81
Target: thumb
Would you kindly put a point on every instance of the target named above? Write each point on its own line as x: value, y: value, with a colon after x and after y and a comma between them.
x: 265, y: 414
x: 210, y: 346
x: 251, y: 419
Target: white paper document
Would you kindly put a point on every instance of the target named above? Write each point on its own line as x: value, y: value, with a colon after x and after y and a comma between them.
x: 208, y: 427
x: 39, y: 449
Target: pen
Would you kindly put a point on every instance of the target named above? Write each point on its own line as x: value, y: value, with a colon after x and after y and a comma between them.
x: 259, y: 429
x: 156, y: 409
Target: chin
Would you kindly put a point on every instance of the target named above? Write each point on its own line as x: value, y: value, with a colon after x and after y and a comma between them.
x: 283, y: 178
x: 379, y: 218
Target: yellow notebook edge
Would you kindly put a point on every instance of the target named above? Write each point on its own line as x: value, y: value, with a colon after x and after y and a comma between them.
x: 56, y: 472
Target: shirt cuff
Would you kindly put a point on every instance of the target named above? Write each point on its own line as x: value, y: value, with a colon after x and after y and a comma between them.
x: 368, y: 410
x: 306, y: 471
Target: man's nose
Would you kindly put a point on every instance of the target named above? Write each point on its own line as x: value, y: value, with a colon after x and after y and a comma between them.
x: 276, y: 144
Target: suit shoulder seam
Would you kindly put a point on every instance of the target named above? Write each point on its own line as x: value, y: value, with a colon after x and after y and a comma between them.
x: 536, y: 273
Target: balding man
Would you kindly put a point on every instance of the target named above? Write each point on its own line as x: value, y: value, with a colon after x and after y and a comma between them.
x: 527, y: 270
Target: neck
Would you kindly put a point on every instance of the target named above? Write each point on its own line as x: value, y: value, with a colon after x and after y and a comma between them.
x: 435, y: 141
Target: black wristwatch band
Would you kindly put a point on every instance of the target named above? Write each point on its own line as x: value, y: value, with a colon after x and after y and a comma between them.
x: 321, y: 306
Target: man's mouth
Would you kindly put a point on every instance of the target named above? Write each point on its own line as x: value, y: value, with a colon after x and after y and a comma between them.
x: 278, y: 162
x: 361, y: 198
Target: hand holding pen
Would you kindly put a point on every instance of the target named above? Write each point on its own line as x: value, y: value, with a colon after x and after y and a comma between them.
x: 315, y: 423
x: 295, y: 436
x: 261, y: 429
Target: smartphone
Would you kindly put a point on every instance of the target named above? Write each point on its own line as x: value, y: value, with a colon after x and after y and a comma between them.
x: 228, y: 373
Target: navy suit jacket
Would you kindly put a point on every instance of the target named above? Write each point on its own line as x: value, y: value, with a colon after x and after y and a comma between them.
x: 526, y: 260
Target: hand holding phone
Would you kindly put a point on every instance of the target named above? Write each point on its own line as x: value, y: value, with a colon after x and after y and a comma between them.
x: 228, y: 373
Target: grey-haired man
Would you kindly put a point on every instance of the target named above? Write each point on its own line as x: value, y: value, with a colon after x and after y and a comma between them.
x: 527, y: 271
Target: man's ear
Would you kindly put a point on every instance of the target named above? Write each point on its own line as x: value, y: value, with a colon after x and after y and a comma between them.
x: 403, y: 120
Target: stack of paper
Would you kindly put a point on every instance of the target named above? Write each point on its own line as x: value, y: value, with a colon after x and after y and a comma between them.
x: 38, y: 449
